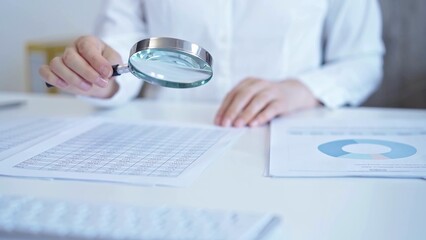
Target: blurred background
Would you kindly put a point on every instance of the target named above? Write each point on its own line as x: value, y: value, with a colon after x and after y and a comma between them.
x: 404, y: 33
x: 34, y: 30
x: 44, y: 25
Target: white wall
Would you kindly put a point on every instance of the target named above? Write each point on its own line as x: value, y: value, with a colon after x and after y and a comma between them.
x: 28, y: 20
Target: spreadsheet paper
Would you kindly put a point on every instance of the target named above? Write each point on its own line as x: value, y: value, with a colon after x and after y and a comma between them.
x: 99, y: 150
x: 17, y: 134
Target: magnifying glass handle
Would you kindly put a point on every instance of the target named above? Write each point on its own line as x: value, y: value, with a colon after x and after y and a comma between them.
x: 117, y: 70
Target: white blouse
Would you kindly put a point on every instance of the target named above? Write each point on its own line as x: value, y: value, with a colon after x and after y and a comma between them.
x: 333, y: 46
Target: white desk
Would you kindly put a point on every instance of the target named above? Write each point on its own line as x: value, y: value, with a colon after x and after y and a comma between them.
x: 340, y: 208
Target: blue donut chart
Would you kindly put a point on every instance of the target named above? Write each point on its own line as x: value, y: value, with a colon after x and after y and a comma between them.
x: 398, y: 150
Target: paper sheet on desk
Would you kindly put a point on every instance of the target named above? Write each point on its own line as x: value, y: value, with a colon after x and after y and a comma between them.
x: 17, y: 134
x: 346, y: 148
x: 99, y: 150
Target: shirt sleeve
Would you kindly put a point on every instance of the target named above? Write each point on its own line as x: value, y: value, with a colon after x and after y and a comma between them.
x: 120, y: 25
x: 352, y: 56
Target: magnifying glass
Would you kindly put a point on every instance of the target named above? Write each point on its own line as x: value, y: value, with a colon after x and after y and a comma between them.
x: 168, y: 62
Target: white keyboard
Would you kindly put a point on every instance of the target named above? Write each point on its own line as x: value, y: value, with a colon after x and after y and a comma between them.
x: 31, y: 218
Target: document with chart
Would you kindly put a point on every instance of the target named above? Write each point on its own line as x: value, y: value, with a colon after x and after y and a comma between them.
x: 324, y: 148
x: 134, y: 153
x: 17, y: 134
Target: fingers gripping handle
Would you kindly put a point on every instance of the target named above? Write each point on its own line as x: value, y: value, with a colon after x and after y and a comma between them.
x: 117, y: 70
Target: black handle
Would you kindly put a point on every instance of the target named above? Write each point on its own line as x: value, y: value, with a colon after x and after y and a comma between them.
x: 114, y: 71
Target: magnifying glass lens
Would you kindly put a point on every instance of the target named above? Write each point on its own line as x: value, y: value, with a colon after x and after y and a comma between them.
x: 170, y: 68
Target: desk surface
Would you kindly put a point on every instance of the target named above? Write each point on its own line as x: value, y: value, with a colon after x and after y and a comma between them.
x: 316, y: 208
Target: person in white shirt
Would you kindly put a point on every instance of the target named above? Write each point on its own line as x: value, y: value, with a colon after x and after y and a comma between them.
x: 271, y: 58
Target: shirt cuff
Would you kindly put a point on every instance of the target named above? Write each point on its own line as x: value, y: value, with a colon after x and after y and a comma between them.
x: 325, y: 88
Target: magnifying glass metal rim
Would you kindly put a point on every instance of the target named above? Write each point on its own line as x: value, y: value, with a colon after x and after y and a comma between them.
x: 167, y: 44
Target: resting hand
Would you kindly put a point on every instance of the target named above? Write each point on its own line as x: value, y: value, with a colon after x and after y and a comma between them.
x: 255, y: 102
x: 84, y: 69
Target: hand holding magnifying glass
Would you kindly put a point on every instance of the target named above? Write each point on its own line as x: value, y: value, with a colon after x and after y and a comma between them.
x: 168, y: 62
